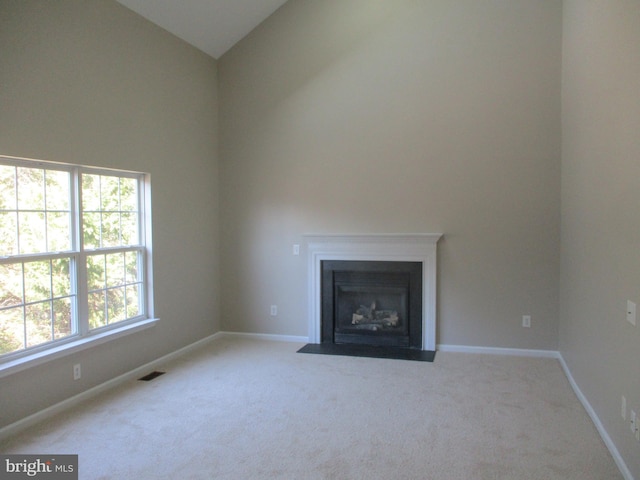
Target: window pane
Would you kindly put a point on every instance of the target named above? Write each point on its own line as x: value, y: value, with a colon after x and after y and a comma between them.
x: 115, y: 269
x: 32, y: 232
x: 111, y: 217
x: 115, y: 303
x: 57, y: 188
x: 96, y: 309
x: 91, y: 230
x: 111, y: 230
x: 11, y: 330
x: 91, y: 192
x: 38, y: 322
x: 96, y: 279
x: 37, y: 281
x: 129, y: 194
x: 130, y: 229
x: 110, y: 193
x: 61, y: 277
x: 7, y: 187
x: 58, y: 231
x: 133, y: 301
x: 8, y: 233
x: 62, y: 318
x: 10, y: 285
x: 131, y: 265
x: 30, y: 188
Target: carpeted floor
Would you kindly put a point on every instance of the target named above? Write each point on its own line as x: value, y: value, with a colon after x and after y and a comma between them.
x: 249, y: 409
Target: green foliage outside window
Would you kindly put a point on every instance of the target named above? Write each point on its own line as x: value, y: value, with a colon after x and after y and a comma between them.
x: 38, y: 300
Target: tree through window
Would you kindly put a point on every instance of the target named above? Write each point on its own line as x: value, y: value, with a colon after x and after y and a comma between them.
x: 73, y: 252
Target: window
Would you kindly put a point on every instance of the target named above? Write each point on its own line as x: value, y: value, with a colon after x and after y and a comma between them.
x: 74, y: 254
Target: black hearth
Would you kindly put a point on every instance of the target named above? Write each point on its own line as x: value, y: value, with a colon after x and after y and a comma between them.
x: 376, y: 303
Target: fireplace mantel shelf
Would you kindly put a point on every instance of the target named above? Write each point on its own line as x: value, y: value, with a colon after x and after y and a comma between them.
x: 413, y: 247
x: 374, y: 238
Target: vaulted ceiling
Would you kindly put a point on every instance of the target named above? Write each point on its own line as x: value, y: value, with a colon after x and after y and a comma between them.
x: 213, y: 26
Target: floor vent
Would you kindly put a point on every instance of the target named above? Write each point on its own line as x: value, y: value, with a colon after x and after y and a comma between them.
x: 151, y: 376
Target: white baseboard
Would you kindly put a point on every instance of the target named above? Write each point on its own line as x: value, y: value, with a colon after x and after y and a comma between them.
x: 583, y: 400
x: 518, y: 352
x: 596, y: 421
x: 49, y: 412
x: 267, y: 336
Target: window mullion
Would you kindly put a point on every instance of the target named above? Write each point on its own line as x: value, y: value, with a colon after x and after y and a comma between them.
x: 24, y: 307
x: 101, y: 213
x: 79, y: 283
x: 52, y: 295
x: 144, y: 232
x: 15, y: 188
x: 45, y: 211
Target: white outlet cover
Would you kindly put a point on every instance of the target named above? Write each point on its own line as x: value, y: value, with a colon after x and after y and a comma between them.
x: 631, y: 312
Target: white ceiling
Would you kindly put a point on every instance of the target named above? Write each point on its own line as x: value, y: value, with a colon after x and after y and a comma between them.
x: 213, y: 26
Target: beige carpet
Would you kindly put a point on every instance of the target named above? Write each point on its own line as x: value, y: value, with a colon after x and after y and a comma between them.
x: 248, y: 409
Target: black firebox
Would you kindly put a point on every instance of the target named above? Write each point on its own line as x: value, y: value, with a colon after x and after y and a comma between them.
x: 376, y: 303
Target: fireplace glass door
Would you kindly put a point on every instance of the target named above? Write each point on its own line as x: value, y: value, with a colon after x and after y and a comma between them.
x: 372, y: 303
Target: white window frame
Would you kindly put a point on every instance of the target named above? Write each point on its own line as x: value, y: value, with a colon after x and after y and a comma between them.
x: 84, y: 337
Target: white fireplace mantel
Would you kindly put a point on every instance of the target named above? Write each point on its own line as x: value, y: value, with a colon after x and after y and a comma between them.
x: 419, y: 247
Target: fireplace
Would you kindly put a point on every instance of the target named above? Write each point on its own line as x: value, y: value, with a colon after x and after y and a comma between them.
x: 375, y: 303
x: 391, y: 248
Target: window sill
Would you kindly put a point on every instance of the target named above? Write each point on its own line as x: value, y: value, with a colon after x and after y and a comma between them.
x: 74, y: 346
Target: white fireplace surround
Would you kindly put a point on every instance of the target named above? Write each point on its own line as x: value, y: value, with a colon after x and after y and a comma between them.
x: 418, y: 247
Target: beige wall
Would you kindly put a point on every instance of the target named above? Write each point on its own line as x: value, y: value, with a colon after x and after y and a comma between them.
x: 93, y: 83
x: 381, y: 117
x: 600, y: 208
x: 356, y: 116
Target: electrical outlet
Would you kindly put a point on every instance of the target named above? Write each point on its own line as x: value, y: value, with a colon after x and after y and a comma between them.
x: 526, y: 321
x: 296, y: 249
x: 631, y: 312
x: 635, y: 424
x: 274, y: 310
x: 77, y: 373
